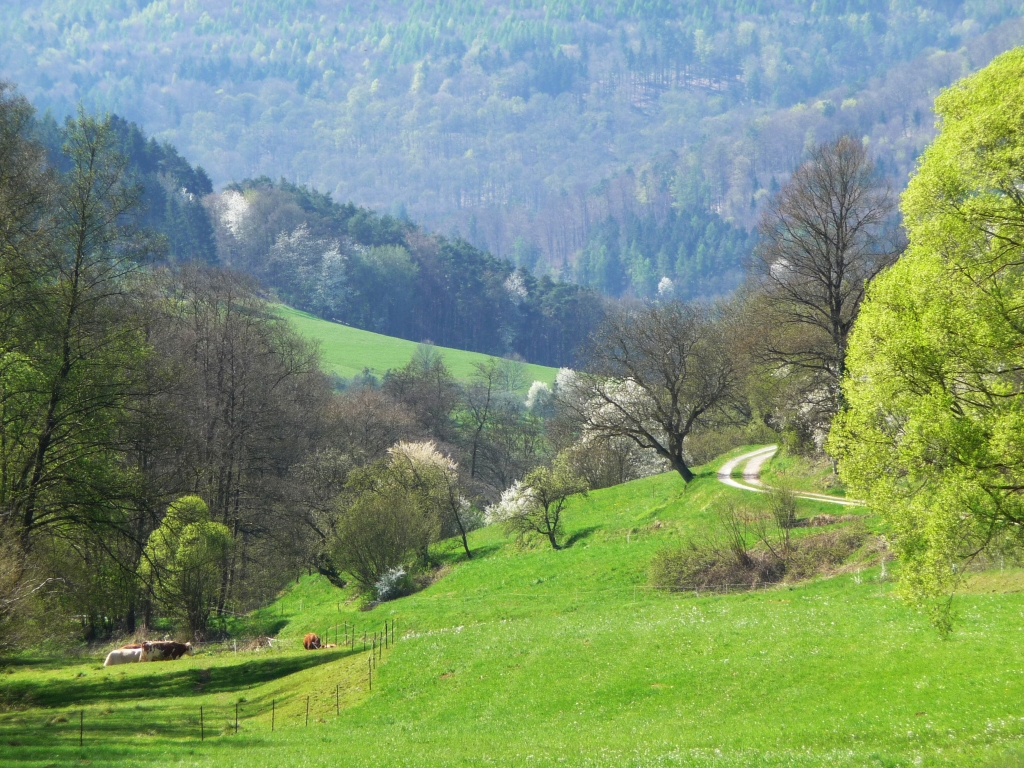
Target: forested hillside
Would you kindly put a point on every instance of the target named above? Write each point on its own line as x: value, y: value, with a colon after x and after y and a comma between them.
x: 613, y: 143
x: 346, y: 263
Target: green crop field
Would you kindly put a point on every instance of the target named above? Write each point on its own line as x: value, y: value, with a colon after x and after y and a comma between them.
x: 537, y: 657
x: 347, y: 351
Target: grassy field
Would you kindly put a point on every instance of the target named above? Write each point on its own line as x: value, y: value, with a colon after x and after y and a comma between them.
x: 799, y: 474
x: 346, y: 351
x: 536, y: 657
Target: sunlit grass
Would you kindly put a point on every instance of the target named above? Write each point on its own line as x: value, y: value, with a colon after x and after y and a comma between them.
x: 347, y: 351
x: 526, y: 657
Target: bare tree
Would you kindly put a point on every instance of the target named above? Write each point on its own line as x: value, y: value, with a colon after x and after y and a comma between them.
x: 655, y: 375
x: 823, y: 238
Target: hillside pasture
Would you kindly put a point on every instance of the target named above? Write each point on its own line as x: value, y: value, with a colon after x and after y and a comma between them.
x: 346, y: 351
x: 528, y: 656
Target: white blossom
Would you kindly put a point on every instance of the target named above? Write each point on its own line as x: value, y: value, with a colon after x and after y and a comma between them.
x: 566, y: 379
x: 422, y: 454
x: 539, y: 394
x: 516, y: 286
x: 234, y: 210
x: 666, y: 288
x: 514, y: 502
x: 780, y: 270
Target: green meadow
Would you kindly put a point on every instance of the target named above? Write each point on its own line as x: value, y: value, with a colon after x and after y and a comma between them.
x: 528, y: 656
x: 347, y: 351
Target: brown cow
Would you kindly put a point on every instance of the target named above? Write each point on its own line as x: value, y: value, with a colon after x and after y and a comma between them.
x: 166, y: 650
x: 311, y: 642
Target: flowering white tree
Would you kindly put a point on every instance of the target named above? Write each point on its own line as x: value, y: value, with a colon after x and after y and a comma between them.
x: 654, y: 376
x: 539, y: 396
x: 535, y: 505
x: 436, y: 477
x: 666, y: 288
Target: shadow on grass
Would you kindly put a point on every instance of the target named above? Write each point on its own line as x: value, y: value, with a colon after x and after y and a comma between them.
x: 23, y: 661
x: 580, y: 535
x: 165, y: 681
x: 452, y: 554
x: 116, y: 741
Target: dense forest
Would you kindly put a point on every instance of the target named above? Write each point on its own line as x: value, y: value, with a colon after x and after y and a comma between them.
x: 612, y: 143
x: 156, y: 412
x: 347, y: 263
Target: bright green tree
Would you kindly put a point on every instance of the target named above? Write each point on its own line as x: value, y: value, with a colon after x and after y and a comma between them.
x: 184, y: 563
x: 934, y: 433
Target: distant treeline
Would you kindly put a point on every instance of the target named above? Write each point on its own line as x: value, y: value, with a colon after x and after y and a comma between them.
x: 350, y: 264
x: 384, y: 274
x: 522, y: 126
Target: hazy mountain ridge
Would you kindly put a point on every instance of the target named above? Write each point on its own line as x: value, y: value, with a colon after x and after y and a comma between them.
x: 528, y: 128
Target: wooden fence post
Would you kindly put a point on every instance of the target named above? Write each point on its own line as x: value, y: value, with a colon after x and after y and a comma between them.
x: 307, y: 711
x: 273, y: 713
x: 202, y: 728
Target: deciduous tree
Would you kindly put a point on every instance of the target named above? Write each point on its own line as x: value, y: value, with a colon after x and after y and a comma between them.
x: 823, y: 237
x: 654, y: 375
x: 932, y: 436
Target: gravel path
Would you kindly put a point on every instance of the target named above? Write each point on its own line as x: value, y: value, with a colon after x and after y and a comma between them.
x: 753, y: 462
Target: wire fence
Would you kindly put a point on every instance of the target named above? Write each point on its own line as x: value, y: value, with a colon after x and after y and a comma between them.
x: 214, y: 719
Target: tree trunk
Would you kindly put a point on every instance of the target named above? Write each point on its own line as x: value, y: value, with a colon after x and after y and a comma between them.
x: 680, y: 466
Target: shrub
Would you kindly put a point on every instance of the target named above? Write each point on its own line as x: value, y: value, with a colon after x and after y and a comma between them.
x: 707, y: 565
x: 184, y: 562
x: 750, y: 550
x: 782, y: 506
x: 534, y: 507
x: 823, y: 552
x: 393, y: 584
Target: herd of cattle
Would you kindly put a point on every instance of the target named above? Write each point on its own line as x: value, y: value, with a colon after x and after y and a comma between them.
x: 160, y: 650
x: 165, y: 650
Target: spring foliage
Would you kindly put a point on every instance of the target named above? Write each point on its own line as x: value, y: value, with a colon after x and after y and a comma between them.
x: 933, y: 434
x: 185, y: 560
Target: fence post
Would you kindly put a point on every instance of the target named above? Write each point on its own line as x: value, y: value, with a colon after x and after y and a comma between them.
x: 273, y: 713
x: 236, y: 718
x: 81, y: 727
x: 337, y: 699
x: 307, y: 711
x: 369, y: 664
x: 202, y: 728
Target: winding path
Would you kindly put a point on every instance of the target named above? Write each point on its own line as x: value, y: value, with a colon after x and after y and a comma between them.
x: 752, y: 463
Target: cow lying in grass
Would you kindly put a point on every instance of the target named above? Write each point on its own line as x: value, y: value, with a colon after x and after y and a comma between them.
x: 159, y: 650
x: 313, y: 642
x: 126, y: 656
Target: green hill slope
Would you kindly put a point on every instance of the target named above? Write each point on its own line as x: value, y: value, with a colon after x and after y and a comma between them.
x: 346, y: 351
x: 536, y: 657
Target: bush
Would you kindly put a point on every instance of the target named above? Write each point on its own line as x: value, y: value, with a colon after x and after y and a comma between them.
x: 823, y: 552
x: 184, y: 563
x: 393, y: 584
x: 710, y: 566
x: 751, y: 550
x: 604, y: 462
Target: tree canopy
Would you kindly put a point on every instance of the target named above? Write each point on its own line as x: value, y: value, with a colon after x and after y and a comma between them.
x: 935, y: 388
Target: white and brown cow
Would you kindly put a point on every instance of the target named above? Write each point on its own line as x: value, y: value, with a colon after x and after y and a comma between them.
x: 126, y: 656
x: 165, y: 650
